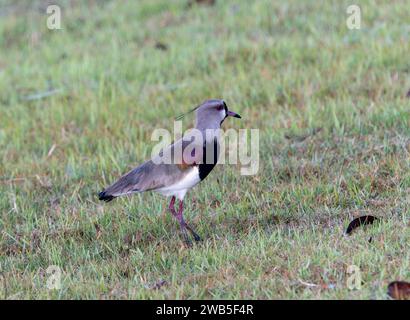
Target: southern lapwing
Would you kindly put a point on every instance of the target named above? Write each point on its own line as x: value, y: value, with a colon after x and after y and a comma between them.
x: 180, y: 166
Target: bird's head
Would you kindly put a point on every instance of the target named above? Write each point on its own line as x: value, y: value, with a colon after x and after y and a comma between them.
x: 211, y: 113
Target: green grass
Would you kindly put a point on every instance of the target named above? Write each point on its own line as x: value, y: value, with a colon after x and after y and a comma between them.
x: 287, y: 68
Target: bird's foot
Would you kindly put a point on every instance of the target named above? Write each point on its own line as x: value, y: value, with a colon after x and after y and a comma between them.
x: 194, y: 234
x: 187, y: 240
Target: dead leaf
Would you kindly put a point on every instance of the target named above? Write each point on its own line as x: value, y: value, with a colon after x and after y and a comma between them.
x: 363, y: 220
x: 161, y: 46
x: 399, y: 290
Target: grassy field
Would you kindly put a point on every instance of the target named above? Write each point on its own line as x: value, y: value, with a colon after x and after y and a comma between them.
x: 78, y: 106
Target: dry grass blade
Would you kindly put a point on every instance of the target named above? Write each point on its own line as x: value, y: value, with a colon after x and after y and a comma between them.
x: 42, y: 95
x: 300, y: 138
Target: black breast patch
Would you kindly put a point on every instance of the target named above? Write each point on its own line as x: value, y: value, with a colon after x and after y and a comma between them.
x: 205, y: 168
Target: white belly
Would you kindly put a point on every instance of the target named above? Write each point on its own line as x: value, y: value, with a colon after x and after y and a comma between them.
x: 180, y: 188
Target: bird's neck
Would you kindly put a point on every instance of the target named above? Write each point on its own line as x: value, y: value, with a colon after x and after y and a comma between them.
x: 209, y: 134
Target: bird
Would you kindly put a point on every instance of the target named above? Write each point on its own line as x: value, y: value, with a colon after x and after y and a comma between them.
x: 171, y: 173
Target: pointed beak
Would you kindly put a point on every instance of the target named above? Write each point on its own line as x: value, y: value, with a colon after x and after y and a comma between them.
x: 233, y: 114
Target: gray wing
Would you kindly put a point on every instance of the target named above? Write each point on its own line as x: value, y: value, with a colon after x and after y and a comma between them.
x: 151, y: 175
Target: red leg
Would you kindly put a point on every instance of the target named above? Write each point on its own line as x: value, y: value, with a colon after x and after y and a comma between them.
x: 181, y: 210
x: 171, y: 206
x: 179, y: 216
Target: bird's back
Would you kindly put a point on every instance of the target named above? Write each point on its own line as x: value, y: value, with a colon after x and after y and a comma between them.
x: 165, y: 171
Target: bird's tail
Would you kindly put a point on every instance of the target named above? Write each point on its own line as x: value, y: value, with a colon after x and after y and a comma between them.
x: 127, y: 184
x: 105, y: 196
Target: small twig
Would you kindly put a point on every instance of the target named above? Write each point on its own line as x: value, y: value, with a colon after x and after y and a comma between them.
x: 308, y: 284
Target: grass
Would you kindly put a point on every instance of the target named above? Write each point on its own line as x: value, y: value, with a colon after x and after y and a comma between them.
x: 288, y: 68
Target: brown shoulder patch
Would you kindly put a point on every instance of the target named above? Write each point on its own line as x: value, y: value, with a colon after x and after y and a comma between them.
x: 183, y: 166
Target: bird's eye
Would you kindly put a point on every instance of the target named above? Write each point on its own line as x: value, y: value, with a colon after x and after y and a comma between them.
x: 219, y: 108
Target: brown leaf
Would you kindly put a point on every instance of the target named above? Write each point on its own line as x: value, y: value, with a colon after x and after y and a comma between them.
x: 363, y: 220
x: 161, y: 46
x: 399, y: 290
